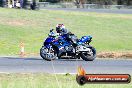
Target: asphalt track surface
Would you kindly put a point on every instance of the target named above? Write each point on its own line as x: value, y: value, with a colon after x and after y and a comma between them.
x: 114, y: 11
x: 37, y: 64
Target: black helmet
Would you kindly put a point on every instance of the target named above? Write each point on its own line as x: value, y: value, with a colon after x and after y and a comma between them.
x: 59, y: 27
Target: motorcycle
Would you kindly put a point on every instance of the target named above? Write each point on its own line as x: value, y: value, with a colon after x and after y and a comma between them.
x: 67, y: 48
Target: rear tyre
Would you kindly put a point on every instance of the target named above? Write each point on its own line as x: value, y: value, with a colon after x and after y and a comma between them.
x: 47, y: 54
x: 89, y: 56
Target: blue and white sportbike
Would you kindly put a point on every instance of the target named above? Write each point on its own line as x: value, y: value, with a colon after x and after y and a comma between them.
x: 67, y: 46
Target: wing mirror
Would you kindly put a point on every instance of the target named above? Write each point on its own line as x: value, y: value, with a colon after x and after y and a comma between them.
x: 51, y: 30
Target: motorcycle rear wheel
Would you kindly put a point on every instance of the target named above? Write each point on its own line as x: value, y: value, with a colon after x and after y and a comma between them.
x: 89, y: 56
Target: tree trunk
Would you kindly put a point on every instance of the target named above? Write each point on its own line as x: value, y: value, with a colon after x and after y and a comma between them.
x: 77, y: 3
x: 82, y: 2
x: 119, y: 2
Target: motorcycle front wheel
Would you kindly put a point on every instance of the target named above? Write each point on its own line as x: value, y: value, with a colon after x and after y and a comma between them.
x: 48, y: 54
x: 90, y: 55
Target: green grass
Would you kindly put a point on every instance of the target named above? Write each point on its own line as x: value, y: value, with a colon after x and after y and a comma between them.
x: 41, y: 80
x: 111, y: 32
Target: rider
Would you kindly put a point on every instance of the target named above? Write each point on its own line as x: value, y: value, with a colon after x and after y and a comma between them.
x: 60, y: 28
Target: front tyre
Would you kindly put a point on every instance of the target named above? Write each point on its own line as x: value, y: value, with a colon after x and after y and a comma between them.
x: 89, y: 55
x: 47, y: 54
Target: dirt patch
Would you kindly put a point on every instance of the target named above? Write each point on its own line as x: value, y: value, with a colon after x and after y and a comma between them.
x: 114, y: 54
x: 15, y: 22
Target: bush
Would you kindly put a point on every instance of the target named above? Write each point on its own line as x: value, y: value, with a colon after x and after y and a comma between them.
x: 51, y: 1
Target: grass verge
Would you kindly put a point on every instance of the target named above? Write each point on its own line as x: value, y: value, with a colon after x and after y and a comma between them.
x: 111, y: 32
x: 41, y: 80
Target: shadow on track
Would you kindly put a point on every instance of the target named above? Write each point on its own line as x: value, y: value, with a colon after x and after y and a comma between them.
x: 68, y: 60
x: 38, y: 58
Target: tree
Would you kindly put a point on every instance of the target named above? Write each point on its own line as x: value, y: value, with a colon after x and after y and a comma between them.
x: 1, y: 3
x: 24, y: 3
